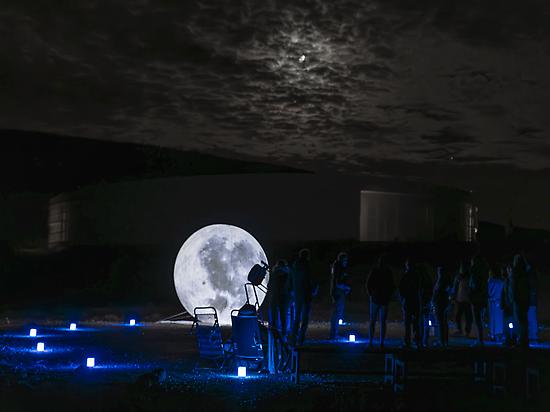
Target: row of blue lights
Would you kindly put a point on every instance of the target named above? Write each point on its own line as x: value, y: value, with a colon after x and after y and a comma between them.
x: 510, y: 325
x: 41, y: 347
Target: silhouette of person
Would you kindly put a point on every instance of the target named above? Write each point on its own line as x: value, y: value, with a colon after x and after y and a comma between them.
x: 380, y: 288
x: 411, y: 291
x: 477, y: 285
x: 304, y: 287
x: 507, y: 305
x: 495, y: 285
x: 533, y: 303
x: 339, y: 289
x: 279, y: 297
x: 521, y: 298
x: 425, y: 294
x: 460, y: 296
x: 440, y: 300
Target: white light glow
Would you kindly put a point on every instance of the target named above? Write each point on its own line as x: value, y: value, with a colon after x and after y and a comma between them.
x: 302, y: 58
x: 32, y: 332
x: 352, y: 338
x: 40, y: 347
x: 212, y: 267
x: 340, y: 322
x: 90, y: 362
x: 132, y: 322
x: 72, y: 326
x: 511, y: 325
x: 241, y: 371
x: 429, y: 323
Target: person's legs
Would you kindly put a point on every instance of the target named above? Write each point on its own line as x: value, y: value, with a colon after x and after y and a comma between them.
x: 425, y: 325
x: 520, y: 315
x: 417, y: 329
x: 337, y: 314
x: 440, y: 314
x: 499, y: 321
x: 374, y: 308
x: 459, y: 314
x: 272, y: 314
x: 492, y: 320
x: 383, y: 320
x: 420, y: 327
x: 509, y: 333
x: 477, y: 312
x: 283, y: 311
x: 298, y: 304
x: 306, y: 308
x: 407, y: 318
x: 468, y: 313
x: 334, y: 320
x: 445, y: 326
x: 291, y: 315
x: 533, y: 323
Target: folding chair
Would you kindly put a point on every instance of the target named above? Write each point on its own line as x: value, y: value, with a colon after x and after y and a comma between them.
x: 247, y: 340
x: 209, y: 335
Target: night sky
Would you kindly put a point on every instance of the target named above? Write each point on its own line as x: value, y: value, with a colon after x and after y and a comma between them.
x: 449, y: 92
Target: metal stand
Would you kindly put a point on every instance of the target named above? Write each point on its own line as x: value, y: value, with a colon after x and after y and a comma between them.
x: 482, y: 371
x: 498, y: 383
x: 295, y: 366
x: 532, y: 383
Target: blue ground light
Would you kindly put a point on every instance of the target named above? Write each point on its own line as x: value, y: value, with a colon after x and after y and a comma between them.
x: 67, y: 351
x: 32, y: 349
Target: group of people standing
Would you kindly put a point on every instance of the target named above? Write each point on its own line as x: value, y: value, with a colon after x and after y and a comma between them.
x: 426, y: 302
x: 291, y: 290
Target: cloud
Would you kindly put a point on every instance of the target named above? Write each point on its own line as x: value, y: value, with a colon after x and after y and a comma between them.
x: 410, y: 81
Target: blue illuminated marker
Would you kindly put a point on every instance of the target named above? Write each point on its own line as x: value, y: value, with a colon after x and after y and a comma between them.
x: 241, y: 371
x: 72, y: 326
x: 32, y: 333
x: 429, y: 323
x: 90, y: 362
x: 340, y: 322
x: 511, y: 325
x: 132, y: 322
x: 352, y: 338
x: 40, y: 347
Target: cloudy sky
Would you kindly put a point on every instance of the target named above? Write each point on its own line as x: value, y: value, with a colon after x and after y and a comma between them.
x: 453, y: 92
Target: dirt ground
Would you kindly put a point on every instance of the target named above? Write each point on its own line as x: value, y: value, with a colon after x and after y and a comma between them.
x: 127, y: 376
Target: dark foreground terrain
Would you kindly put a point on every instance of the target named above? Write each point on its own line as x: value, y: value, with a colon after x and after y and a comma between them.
x: 153, y: 367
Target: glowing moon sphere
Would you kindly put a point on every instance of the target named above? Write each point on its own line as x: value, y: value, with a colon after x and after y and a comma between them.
x: 212, y: 267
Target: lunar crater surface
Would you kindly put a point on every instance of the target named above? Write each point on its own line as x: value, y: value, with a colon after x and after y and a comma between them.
x: 212, y: 267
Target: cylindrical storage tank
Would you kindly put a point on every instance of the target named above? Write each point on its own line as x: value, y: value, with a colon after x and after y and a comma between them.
x: 62, y: 211
x: 392, y: 216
